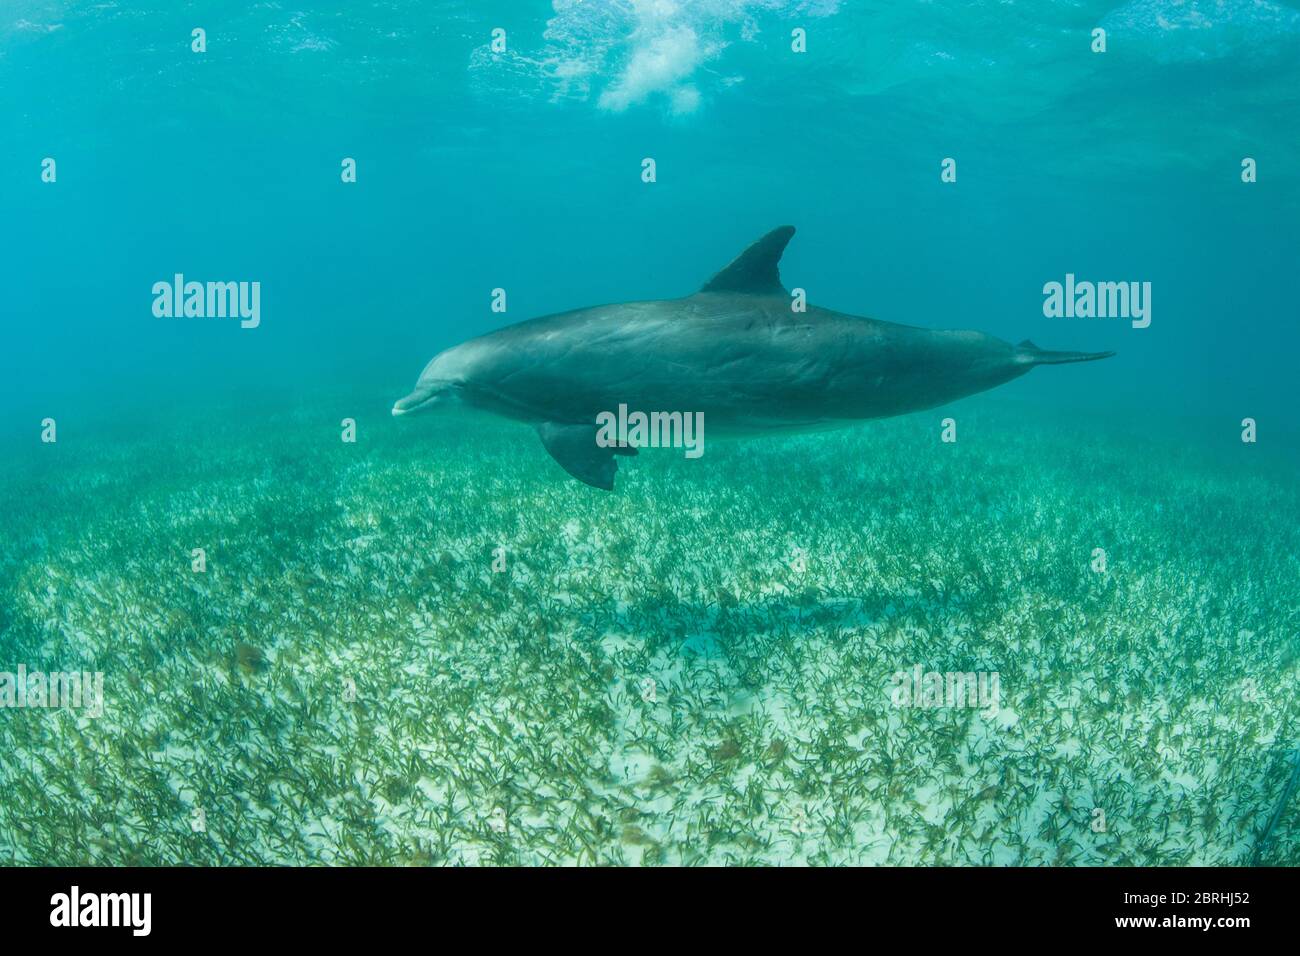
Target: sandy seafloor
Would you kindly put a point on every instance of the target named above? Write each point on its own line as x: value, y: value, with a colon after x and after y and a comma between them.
x: 506, y: 717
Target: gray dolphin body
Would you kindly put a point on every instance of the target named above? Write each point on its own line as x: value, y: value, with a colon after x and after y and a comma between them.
x: 734, y: 351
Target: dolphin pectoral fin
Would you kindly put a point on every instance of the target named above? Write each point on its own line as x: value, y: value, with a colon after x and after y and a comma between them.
x: 574, y: 448
x: 755, y: 271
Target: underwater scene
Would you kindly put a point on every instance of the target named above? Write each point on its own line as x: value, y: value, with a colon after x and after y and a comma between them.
x: 650, y: 432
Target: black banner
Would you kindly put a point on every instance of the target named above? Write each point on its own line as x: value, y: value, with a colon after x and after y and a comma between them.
x: 304, y: 906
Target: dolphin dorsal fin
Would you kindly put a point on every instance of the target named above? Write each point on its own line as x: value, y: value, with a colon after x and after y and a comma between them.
x: 755, y: 271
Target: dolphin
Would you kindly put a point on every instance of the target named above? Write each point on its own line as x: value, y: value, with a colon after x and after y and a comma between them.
x: 736, y: 351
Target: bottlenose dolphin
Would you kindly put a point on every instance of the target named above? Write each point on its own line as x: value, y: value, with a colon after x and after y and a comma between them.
x: 735, y: 351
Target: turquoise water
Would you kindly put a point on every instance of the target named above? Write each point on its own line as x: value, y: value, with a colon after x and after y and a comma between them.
x: 699, y: 667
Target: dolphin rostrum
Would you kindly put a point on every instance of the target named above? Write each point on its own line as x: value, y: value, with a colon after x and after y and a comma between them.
x: 736, y: 351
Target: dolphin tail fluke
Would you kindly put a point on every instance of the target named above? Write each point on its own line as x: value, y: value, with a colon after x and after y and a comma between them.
x: 1035, y: 356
